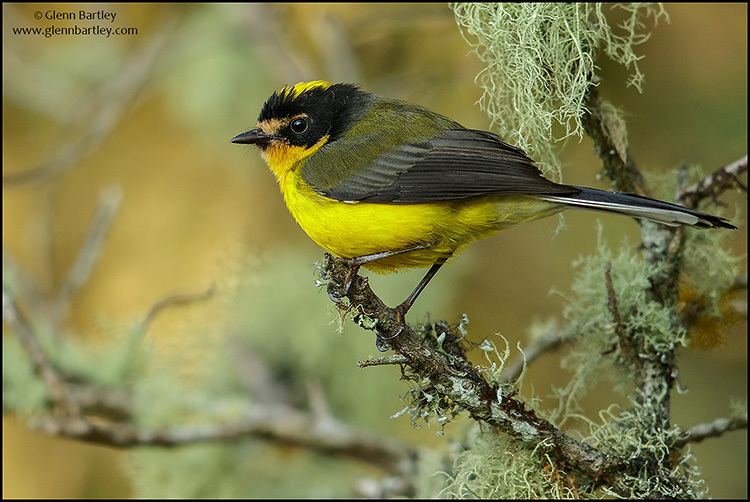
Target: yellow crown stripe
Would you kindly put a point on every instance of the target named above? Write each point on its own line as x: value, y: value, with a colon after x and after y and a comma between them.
x: 301, y: 87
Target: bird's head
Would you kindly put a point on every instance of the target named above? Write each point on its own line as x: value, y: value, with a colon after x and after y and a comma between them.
x: 299, y: 119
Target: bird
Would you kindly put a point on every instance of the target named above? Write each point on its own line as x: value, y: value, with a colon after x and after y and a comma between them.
x: 386, y: 185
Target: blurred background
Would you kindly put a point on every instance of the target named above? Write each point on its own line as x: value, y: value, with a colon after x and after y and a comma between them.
x: 150, y: 116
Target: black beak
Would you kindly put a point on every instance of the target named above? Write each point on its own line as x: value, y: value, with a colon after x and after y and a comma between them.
x: 253, y: 137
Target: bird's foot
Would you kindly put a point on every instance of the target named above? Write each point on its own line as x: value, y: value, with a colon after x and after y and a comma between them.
x: 340, y: 293
x: 382, y: 341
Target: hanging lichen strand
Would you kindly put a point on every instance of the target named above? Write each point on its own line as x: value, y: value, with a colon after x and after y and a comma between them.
x: 540, y: 59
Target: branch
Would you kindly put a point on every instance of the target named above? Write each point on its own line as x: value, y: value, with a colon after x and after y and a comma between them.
x: 282, y: 425
x: 661, y: 245
x: 715, y: 184
x: 454, y: 379
x: 262, y: 25
x: 714, y: 429
x: 383, y: 361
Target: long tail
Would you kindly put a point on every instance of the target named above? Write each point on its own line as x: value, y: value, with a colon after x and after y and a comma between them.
x: 640, y: 207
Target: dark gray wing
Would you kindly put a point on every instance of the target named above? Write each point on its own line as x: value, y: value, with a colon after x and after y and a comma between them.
x: 456, y: 164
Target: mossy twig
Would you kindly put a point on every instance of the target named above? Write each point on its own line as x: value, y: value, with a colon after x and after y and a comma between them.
x: 383, y: 361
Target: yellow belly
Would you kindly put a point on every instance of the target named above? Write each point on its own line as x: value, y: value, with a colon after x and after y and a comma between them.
x: 351, y: 230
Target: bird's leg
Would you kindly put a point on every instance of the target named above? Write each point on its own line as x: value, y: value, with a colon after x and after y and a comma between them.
x: 356, y: 263
x: 406, y: 304
x: 404, y: 307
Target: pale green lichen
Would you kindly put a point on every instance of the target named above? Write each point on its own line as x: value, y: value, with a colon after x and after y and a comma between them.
x: 497, y: 466
x: 495, y: 360
x: 628, y: 434
x: 540, y: 60
x: 653, y: 326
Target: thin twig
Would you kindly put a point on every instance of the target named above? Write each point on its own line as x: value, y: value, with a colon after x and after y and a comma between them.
x: 625, y: 342
x: 382, y: 361
x: 176, y: 300
x: 88, y: 255
x: 715, y: 184
x: 714, y: 429
x: 108, y: 113
x: 535, y: 349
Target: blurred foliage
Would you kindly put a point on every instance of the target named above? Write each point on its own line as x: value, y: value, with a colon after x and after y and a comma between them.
x: 195, y: 208
x: 270, y: 311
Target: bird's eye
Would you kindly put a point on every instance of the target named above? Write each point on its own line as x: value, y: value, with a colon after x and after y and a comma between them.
x: 298, y: 126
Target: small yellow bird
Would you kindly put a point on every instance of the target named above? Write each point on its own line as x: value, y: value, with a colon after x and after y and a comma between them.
x: 386, y: 184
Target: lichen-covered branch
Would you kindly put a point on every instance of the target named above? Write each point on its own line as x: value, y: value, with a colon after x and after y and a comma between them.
x: 383, y: 361
x: 714, y: 429
x: 663, y: 250
x: 715, y: 184
x: 447, y: 371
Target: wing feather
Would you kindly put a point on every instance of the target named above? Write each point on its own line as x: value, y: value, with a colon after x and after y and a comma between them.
x: 456, y: 164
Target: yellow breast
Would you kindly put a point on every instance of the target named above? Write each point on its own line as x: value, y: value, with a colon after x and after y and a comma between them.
x: 351, y: 230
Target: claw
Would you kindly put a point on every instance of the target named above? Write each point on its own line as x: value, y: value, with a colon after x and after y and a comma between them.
x: 341, y: 293
x: 334, y: 297
x: 381, y: 342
